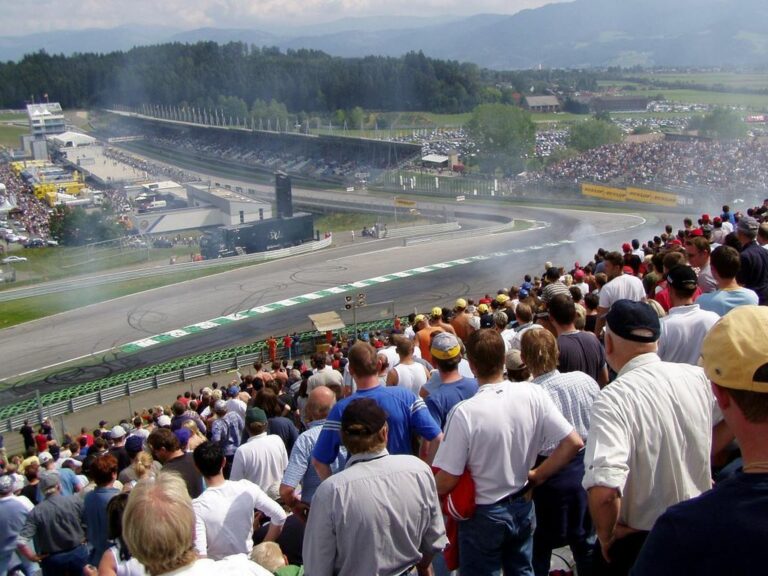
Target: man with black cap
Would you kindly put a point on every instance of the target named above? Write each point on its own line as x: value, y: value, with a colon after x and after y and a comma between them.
x: 683, y: 330
x: 381, y: 514
x: 649, y: 440
x: 55, y: 528
x: 754, y: 259
x: 724, y: 531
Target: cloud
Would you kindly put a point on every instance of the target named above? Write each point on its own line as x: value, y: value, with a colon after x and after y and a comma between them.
x: 19, y: 18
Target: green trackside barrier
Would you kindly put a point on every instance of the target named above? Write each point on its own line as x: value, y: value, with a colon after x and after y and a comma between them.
x: 82, y: 389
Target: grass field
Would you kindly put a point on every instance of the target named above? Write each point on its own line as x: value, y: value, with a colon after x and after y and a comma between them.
x: 10, y: 136
x: 346, y: 221
x: 728, y: 79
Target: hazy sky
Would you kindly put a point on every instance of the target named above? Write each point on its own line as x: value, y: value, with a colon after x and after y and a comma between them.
x: 19, y: 17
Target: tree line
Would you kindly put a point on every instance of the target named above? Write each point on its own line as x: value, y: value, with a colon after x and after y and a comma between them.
x: 205, y: 74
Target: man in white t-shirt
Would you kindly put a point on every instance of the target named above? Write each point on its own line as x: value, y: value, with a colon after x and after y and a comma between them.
x: 263, y: 458
x: 497, y: 435
x: 224, y: 512
x: 324, y: 374
x: 620, y: 287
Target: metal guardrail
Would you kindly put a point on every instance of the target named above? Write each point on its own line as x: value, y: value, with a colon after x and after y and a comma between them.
x: 104, y: 390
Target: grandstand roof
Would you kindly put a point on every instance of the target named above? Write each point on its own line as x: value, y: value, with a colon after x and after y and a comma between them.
x: 435, y: 158
x: 542, y: 101
x: 72, y: 139
x: 46, y: 109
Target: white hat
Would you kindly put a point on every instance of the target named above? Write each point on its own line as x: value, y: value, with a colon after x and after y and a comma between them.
x: 117, y: 432
x: 44, y: 458
x: 164, y: 421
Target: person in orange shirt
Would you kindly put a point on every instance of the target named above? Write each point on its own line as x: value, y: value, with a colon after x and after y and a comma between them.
x: 424, y: 329
x: 272, y: 347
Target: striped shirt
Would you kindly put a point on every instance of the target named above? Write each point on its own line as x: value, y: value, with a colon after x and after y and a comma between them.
x: 573, y: 393
x: 406, y: 414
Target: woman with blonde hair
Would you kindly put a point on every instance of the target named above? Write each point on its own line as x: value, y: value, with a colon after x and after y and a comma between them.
x: 197, y: 437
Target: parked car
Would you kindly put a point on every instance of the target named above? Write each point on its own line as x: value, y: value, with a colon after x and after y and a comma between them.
x: 12, y: 259
x: 34, y: 243
x: 51, y: 242
x: 161, y: 243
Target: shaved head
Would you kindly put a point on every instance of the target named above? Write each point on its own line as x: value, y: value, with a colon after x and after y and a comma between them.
x: 320, y: 402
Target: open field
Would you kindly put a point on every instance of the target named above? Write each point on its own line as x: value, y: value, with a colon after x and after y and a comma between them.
x: 756, y: 81
x: 12, y: 116
x: 10, y: 135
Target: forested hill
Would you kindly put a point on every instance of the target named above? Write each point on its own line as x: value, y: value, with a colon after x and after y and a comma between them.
x: 199, y: 74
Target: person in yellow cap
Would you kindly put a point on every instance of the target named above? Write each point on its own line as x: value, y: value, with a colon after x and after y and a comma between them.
x: 436, y: 318
x: 724, y: 530
x: 462, y: 320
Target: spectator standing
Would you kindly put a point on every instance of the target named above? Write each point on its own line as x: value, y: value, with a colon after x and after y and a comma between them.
x: 103, y: 472
x: 753, y: 273
x: 384, y: 504
x: 462, y: 320
x: 263, y: 458
x: 407, y: 373
x: 159, y: 528
x: 698, y: 250
x: 452, y: 386
x: 117, y: 450
x: 226, y: 431
x: 725, y: 267
x: 579, y: 351
x: 324, y: 374
x: 689, y: 538
x: 166, y: 449
x: 684, y: 328
x: 55, y: 527
x: 28, y: 434
x: 224, y: 512
x: 561, y: 502
x: 407, y: 414
x: 650, y: 403
x: 497, y: 434
x: 13, y: 515
x: 300, y: 471
x: 620, y: 286
x: 117, y: 559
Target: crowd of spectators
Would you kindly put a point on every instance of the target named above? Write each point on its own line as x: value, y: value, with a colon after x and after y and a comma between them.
x: 578, y: 389
x: 32, y: 214
x: 725, y: 165
x: 152, y: 169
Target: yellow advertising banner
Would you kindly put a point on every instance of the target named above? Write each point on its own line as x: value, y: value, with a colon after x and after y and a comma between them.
x: 405, y: 203
x: 651, y: 197
x: 631, y: 194
x: 604, y: 192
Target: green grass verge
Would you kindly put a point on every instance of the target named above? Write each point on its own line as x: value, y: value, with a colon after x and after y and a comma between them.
x: 27, y: 309
x: 10, y: 136
x: 346, y: 221
x: 12, y: 116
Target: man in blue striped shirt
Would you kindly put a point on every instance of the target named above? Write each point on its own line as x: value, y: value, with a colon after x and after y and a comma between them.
x: 406, y: 413
x: 300, y: 469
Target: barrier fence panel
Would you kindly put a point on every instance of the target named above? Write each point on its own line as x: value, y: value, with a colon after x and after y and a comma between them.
x: 141, y: 385
x: 84, y: 401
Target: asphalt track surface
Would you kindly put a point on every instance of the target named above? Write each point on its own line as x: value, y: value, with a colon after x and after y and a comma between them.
x: 91, y: 333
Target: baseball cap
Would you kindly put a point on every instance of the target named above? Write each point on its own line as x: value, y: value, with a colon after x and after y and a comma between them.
x: 697, y: 232
x: 134, y: 444
x: 164, y: 421
x: 437, y: 312
x: 747, y: 224
x: 102, y: 423
x: 717, y: 220
x: 7, y: 483
x: 523, y: 293
x: 48, y: 479
x: 705, y: 217
x: 514, y: 361
x: 445, y: 346
x: 419, y: 318
x: 578, y: 275
x: 255, y: 414
x: 460, y: 304
x: 44, y: 458
x: 682, y: 276
x: 734, y: 349
x: 626, y: 247
x: 363, y: 417
x: 233, y: 391
x: 482, y: 308
x: 502, y: 298
x: 633, y: 320
x: 117, y: 432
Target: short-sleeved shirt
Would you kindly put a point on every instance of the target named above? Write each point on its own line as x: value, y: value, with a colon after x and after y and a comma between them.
x: 754, y: 270
x: 620, y: 288
x: 650, y: 437
x: 723, y: 301
x: 582, y: 352
x: 406, y: 414
x: 184, y: 466
x: 446, y: 396
x: 54, y: 525
x: 300, y: 469
x: 497, y: 434
x: 682, y: 333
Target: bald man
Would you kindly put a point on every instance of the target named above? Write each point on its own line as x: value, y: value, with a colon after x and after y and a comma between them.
x: 300, y: 470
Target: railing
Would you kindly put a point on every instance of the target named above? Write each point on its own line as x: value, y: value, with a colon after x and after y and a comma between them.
x: 73, y: 398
